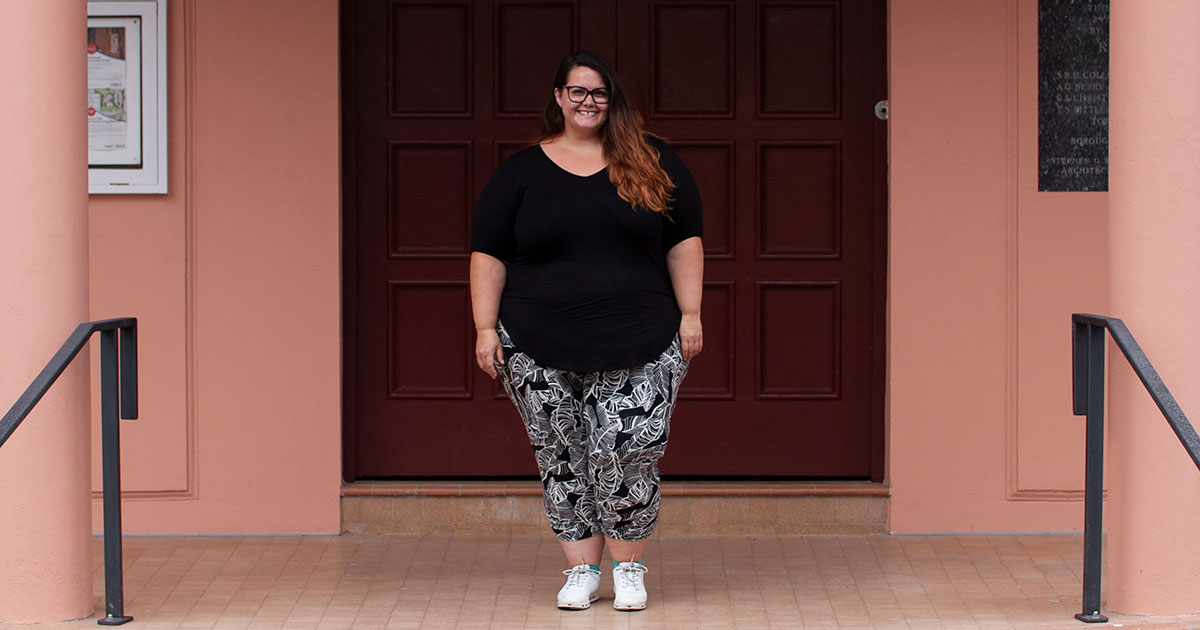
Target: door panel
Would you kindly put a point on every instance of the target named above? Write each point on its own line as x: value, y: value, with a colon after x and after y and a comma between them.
x: 769, y: 104
x: 440, y: 36
x: 791, y: 243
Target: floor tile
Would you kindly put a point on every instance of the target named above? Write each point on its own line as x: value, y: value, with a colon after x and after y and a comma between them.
x: 508, y: 580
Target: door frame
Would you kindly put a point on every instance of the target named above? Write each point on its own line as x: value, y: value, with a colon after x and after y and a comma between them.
x: 349, y: 146
x: 349, y: 214
x: 881, y: 249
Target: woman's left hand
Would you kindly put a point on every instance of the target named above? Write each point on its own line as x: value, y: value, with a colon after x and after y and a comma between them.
x: 691, y: 336
x: 685, y: 263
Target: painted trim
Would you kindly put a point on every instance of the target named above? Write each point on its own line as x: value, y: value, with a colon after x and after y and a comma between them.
x: 1012, y: 288
x: 190, y: 491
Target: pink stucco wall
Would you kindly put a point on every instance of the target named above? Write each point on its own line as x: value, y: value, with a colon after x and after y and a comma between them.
x: 1154, y: 489
x: 234, y: 277
x: 45, y: 549
x: 984, y: 274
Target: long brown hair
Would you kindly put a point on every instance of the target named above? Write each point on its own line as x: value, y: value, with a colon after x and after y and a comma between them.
x: 632, y: 162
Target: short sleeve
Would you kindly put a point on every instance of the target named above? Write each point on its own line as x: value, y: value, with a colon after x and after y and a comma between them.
x: 686, y: 217
x: 494, y: 218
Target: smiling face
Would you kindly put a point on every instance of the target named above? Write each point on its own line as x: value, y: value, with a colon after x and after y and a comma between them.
x: 588, y: 116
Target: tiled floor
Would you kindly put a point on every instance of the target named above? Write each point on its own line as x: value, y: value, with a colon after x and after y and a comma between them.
x: 695, y: 581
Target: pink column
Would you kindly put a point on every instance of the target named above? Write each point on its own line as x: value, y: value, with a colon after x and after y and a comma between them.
x: 1154, y: 488
x: 45, y: 506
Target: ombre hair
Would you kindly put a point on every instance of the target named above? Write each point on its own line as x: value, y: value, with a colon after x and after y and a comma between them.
x: 632, y: 162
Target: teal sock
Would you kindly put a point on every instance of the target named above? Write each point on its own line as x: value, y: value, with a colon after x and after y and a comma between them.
x: 594, y: 567
x: 615, y: 563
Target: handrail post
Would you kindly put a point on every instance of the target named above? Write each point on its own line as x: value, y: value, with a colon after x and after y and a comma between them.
x: 118, y: 399
x: 1093, y: 510
x: 1088, y: 338
x: 111, y: 391
x: 129, y: 372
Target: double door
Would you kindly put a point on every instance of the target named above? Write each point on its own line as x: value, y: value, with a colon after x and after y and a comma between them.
x: 770, y: 104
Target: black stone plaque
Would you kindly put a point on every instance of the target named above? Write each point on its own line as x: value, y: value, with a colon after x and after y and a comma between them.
x: 1072, y: 95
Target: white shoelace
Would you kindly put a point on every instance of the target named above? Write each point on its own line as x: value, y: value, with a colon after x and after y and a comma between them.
x: 576, y: 574
x: 630, y: 573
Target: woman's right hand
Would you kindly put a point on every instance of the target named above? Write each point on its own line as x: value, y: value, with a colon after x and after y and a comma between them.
x: 487, y: 350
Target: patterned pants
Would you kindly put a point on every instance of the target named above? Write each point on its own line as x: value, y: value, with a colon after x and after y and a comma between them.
x: 597, y: 437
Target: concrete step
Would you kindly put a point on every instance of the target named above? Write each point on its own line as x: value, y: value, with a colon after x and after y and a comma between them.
x: 689, y: 507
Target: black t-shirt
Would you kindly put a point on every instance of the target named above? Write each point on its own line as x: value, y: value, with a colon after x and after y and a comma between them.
x: 587, y: 287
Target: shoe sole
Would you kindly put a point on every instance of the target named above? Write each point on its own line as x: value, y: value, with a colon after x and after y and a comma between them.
x: 584, y: 606
x: 629, y: 607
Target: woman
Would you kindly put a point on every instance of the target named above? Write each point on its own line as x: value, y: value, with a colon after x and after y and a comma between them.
x: 586, y: 271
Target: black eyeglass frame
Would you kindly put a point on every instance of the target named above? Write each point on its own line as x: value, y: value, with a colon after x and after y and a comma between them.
x: 591, y: 93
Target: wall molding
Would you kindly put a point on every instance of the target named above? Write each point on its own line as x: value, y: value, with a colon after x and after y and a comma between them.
x: 188, y: 48
x: 1012, y: 190
x: 189, y: 212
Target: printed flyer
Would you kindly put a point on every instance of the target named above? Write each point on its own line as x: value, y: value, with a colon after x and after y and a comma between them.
x: 114, y: 91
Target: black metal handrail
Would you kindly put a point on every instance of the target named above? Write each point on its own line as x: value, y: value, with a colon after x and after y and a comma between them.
x: 118, y: 399
x: 1087, y: 379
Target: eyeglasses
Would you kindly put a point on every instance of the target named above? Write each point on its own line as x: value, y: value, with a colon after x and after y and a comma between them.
x: 579, y: 94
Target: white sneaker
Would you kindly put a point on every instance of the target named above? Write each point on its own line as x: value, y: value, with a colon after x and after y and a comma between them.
x: 629, y: 589
x: 581, y: 589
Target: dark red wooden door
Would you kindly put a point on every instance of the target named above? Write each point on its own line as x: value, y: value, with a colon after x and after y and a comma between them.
x: 771, y: 106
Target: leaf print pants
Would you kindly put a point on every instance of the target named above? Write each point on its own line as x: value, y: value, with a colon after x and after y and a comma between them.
x: 597, y: 437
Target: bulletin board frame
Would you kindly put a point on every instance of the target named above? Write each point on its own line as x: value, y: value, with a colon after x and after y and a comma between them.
x: 127, y: 96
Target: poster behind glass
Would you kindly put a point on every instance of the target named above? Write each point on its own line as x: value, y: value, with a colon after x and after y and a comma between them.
x: 114, y: 89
